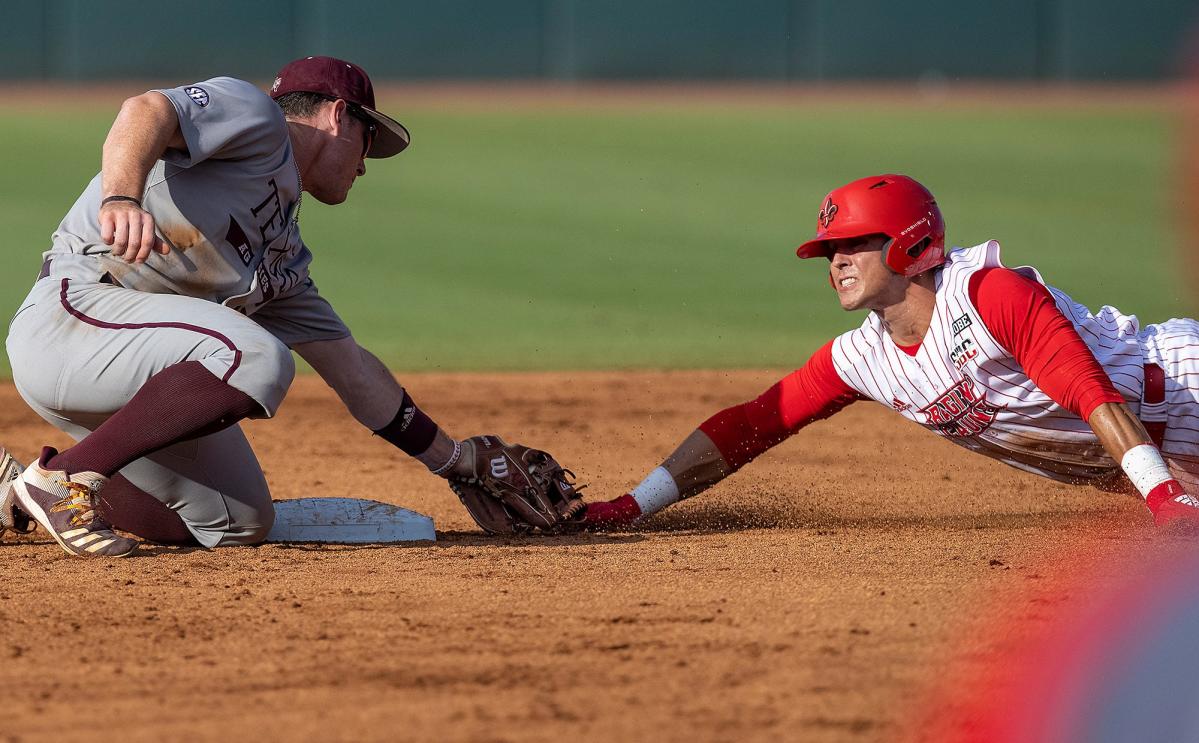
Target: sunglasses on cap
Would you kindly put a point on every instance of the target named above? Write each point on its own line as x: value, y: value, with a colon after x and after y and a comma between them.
x: 369, y: 125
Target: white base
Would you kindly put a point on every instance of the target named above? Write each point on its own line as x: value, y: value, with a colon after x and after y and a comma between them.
x: 348, y: 521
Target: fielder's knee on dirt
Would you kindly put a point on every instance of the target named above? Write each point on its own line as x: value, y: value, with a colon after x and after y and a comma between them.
x: 246, y: 520
x: 247, y: 531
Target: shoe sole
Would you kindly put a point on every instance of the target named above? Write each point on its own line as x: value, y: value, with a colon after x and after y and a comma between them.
x: 30, y: 506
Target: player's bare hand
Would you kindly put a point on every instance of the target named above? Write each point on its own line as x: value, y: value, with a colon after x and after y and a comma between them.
x: 129, y: 229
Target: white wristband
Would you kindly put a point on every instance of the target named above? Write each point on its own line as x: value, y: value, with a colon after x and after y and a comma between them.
x: 657, y: 491
x: 1145, y: 467
x: 454, y: 457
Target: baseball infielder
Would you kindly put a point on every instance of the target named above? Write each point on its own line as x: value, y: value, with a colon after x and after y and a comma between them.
x: 169, y: 300
x: 990, y: 357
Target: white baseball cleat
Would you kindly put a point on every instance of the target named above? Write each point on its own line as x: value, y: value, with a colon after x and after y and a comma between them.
x: 12, y: 518
x: 65, y: 506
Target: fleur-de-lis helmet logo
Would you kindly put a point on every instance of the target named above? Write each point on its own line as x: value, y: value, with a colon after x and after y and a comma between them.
x: 827, y: 212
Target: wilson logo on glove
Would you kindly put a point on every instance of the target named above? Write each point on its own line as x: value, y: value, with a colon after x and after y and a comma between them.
x: 499, y: 467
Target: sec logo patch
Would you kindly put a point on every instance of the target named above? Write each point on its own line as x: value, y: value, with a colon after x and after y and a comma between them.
x: 199, y: 95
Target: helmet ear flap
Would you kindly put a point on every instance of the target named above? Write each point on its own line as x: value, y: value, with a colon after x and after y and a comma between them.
x: 886, y: 253
x: 901, y: 262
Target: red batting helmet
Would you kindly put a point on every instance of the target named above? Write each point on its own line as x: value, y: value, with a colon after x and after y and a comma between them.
x: 892, y: 205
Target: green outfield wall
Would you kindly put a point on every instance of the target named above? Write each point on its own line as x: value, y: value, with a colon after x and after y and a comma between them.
x: 566, y: 40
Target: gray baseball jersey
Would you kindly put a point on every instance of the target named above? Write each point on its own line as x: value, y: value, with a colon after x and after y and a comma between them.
x: 227, y: 207
x: 232, y: 293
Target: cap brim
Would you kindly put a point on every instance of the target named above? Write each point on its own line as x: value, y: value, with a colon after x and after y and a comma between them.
x: 391, y: 137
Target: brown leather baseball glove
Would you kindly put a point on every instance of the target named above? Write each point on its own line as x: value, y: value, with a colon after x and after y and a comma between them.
x: 513, y: 489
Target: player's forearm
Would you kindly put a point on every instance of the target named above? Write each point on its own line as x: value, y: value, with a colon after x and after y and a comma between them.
x: 442, y: 453
x: 146, y: 125
x: 376, y: 400
x: 376, y: 395
x: 1126, y: 440
x: 721, y: 445
x: 365, y: 385
x: 1117, y: 429
x: 695, y: 466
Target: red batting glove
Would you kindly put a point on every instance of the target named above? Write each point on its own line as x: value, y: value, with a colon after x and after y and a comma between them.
x: 611, y: 514
x: 1171, y: 506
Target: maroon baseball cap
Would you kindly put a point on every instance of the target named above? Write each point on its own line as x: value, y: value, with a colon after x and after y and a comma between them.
x: 337, y: 78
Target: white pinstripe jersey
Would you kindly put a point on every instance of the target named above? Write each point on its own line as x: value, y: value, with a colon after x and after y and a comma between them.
x: 962, y: 384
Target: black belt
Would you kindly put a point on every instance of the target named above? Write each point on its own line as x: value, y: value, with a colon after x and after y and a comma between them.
x: 105, y: 279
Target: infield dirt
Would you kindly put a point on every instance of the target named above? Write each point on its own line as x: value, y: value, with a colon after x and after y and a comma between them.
x: 822, y: 594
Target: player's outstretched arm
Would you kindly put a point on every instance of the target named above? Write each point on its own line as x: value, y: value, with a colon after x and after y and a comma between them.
x: 695, y: 466
x: 376, y: 400
x: 145, y: 127
x: 732, y: 438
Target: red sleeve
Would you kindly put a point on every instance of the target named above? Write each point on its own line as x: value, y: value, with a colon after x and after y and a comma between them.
x: 808, y: 394
x: 1022, y: 316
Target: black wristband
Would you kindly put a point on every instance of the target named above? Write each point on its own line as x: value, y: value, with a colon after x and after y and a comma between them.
x: 110, y: 199
x: 411, y: 430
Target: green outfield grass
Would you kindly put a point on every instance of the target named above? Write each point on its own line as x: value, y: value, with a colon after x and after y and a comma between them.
x: 663, y: 236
